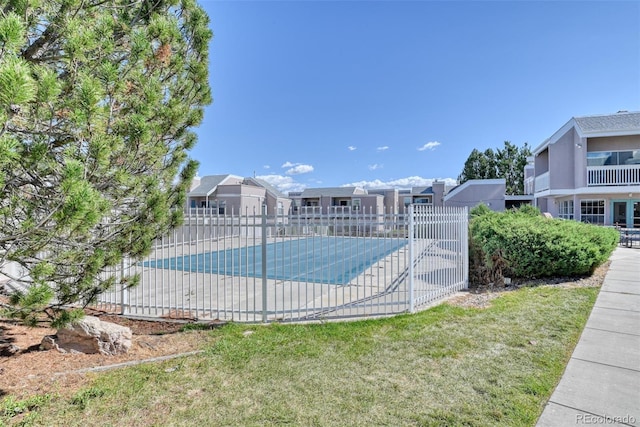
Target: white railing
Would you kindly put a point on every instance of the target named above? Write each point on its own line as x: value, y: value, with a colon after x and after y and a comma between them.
x: 307, y: 210
x: 438, y: 253
x: 542, y: 182
x: 529, y: 185
x: 266, y: 268
x: 343, y: 210
x: 613, y: 175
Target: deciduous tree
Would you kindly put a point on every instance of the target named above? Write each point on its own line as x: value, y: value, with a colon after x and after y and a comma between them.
x: 98, y: 99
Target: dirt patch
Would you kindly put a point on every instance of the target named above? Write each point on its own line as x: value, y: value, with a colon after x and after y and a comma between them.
x: 33, y: 371
x: 481, y: 298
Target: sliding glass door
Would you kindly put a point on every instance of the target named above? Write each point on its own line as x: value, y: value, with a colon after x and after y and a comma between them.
x: 626, y: 213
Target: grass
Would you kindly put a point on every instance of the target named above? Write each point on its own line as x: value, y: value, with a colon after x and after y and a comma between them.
x: 447, y: 366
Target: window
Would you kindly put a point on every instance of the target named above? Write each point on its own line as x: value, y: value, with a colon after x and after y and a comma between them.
x: 565, y: 209
x: 592, y: 211
x: 613, y: 158
x: 280, y: 208
x: 356, y: 204
x: 219, y: 206
x: 407, y: 201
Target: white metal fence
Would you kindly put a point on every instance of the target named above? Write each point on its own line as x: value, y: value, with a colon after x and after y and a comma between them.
x: 264, y: 268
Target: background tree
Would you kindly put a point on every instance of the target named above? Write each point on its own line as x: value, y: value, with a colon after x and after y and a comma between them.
x: 507, y: 163
x: 510, y: 163
x: 479, y: 165
x: 97, y: 99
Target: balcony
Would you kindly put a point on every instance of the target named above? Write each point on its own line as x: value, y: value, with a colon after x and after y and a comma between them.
x: 541, y: 182
x: 599, y: 176
x: 342, y: 210
x: 307, y: 211
x: 528, y: 185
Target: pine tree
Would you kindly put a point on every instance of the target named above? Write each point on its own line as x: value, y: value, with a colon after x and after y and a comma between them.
x: 98, y: 99
x: 479, y: 165
x: 507, y: 163
x: 510, y: 163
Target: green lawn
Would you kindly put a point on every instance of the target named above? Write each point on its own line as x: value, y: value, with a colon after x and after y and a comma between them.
x: 446, y: 366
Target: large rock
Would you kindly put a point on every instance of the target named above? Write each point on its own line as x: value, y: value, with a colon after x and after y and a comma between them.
x: 91, y: 335
x: 8, y: 349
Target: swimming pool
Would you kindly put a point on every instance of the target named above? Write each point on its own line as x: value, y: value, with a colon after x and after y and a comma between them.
x: 330, y: 260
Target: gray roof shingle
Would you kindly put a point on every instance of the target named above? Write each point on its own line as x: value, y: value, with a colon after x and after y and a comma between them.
x: 332, y: 192
x: 207, y: 185
x: 270, y: 188
x: 619, y: 122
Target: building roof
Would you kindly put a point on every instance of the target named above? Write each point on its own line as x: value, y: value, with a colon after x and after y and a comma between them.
x: 422, y: 190
x: 270, y: 188
x: 309, y: 193
x: 429, y: 190
x: 208, y: 185
x: 474, y: 182
x: 620, y: 122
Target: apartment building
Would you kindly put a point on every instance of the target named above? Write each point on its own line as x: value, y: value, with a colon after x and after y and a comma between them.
x: 232, y: 194
x: 589, y: 170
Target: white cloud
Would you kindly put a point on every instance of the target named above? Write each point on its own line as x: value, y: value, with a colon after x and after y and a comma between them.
x: 287, y: 183
x: 375, y: 167
x: 283, y: 183
x: 266, y: 167
x: 429, y: 146
x: 402, y: 183
x: 299, y: 169
x: 351, y: 148
x: 384, y: 148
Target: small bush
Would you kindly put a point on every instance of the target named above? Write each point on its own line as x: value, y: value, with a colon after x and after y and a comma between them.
x: 11, y: 407
x: 524, y: 244
x: 83, y: 397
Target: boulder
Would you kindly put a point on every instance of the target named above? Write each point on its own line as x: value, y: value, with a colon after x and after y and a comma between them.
x: 8, y: 349
x: 90, y: 335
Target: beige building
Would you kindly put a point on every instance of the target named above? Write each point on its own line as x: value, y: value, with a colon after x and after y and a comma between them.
x: 232, y: 194
x: 589, y: 170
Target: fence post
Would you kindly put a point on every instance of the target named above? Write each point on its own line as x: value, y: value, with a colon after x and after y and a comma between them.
x: 122, y: 287
x: 264, y: 263
x: 411, y: 240
x: 465, y: 245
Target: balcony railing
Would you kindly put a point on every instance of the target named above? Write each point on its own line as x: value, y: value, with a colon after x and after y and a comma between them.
x: 528, y: 185
x: 613, y: 175
x: 343, y: 210
x: 542, y: 182
x: 307, y: 210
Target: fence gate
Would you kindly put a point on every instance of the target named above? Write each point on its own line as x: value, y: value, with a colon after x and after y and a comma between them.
x: 439, y: 253
x: 255, y: 267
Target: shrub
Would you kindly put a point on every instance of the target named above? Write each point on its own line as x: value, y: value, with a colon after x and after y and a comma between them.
x: 524, y: 244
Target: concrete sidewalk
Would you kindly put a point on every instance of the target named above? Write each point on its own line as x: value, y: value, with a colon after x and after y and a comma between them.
x: 601, y: 384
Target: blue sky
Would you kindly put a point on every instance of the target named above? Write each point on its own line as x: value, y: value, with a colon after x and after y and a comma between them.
x: 384, y: 94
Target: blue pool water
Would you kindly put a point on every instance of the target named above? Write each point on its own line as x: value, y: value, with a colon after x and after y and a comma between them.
x: 332, y: 260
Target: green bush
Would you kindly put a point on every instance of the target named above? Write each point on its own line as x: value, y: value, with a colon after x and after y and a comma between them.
x: 524, y: 244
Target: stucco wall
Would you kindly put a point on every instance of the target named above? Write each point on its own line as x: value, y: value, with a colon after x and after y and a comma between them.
x: 614, y: 143
x: 472, y: 194
x: 561, y: 161
x: 541, y: 162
